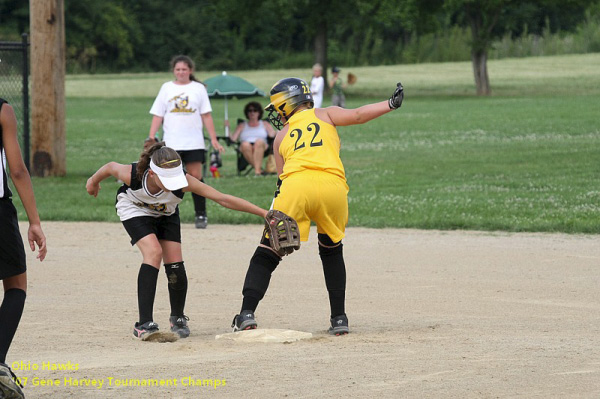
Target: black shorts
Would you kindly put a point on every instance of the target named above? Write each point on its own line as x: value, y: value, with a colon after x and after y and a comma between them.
x: 164, y: 227
x: 12, y: 252
x: 193, y: 156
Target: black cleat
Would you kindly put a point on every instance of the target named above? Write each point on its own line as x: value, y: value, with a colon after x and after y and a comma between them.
x: 145, y: 330
x: 244, y: 321
x: 179, y: 326
x: 10, y: 386
x: 201, y: 222
x: 339, y: 325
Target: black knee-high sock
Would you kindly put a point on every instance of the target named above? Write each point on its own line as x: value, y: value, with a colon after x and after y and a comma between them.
x: 177, y: 300
x: 10, y: 316
x: 199, y: 203
x: 178, y: 285
x: 334, y: 270
x: 262, y: 265
x: 147, y: 278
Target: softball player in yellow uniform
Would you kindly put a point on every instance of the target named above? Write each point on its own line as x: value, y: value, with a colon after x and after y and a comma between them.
x: 312, y: 187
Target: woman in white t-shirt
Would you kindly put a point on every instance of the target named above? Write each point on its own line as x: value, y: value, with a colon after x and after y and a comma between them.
x: 317, y: 85
x: 253, y: 135
x: 182, y: 108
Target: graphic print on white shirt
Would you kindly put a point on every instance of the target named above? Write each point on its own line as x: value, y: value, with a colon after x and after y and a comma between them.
x: 181, y: 103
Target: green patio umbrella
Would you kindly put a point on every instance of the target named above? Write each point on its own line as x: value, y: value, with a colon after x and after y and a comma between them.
x: 229, y: 86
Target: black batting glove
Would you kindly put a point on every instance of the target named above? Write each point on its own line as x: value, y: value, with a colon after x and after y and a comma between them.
x: 395, y: 100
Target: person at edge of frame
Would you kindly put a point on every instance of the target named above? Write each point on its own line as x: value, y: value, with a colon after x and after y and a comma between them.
x: 13, y: 267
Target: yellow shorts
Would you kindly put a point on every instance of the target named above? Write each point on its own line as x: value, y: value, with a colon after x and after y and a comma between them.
x: 317, y: 196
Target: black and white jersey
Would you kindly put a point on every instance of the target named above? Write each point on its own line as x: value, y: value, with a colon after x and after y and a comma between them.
x: 135, y: 200
x: 4, y: 190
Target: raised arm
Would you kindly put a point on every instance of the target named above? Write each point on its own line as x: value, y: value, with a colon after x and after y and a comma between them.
x: 344, y: 117
x: 21, y: 179
x: 225, y: 200
x: 114, y: 169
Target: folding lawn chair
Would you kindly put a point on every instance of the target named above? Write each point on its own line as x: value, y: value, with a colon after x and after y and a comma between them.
x: 243, y: 167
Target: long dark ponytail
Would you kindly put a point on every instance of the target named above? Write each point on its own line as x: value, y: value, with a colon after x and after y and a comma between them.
x: 161, y: 155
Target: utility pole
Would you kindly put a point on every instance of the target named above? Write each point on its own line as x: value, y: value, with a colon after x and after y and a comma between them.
x: 48, y: 133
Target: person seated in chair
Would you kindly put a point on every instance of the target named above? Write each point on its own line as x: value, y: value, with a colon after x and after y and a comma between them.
x: 252, y: 135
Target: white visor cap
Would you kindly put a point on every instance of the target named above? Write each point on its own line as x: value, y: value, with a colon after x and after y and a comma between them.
x: 172, y: 178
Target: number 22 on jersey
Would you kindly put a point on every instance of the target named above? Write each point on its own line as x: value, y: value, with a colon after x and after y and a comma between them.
x: 312, y: 135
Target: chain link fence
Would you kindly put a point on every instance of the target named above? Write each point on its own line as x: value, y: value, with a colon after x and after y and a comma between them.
x: 14, y: 86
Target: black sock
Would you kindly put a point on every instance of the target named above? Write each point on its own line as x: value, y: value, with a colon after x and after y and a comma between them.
x: 262, y: 265
x: 10, y: 316
x: 250, y: 301
x: 177, y: 299
x: 334, y: 270
x: 147, y: 278
x: 199, y: 203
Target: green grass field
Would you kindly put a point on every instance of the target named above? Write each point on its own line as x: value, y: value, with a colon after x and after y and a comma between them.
x: 525, y: 159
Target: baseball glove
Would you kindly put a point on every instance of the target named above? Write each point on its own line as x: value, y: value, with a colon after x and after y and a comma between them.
x: 352, y: 78
x: 282, y: 232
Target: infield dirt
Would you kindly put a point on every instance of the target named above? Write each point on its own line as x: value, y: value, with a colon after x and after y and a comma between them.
x: 432, y: 314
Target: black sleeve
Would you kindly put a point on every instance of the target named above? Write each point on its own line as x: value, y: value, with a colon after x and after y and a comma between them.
x: 135, y: 184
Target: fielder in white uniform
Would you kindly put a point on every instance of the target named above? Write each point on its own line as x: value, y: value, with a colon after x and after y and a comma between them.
x: 147, y: 204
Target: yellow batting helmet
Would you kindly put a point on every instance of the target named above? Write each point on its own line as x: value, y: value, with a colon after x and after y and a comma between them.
x: 286, y: 95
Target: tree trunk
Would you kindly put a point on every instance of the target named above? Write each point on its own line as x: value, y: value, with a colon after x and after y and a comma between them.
x: 48, y: 87
x: 321, y: 48
x: 482, y: 21
x: 482, y: 81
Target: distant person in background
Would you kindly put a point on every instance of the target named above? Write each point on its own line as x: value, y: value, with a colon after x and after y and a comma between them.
x: 182, y: 108
x: 13, y: 268
x: 317, y: 85
x: 338, y: 86
x: 253, y: 136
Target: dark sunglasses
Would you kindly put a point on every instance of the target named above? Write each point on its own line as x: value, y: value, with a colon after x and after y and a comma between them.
x: 253, y: 110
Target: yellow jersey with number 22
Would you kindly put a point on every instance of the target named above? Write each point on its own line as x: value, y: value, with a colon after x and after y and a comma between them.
x: 310, y: 144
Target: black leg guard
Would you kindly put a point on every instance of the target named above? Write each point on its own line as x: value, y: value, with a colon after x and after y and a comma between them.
x: 263, y: 263
x: 178, y: 284
x: 334, y: 270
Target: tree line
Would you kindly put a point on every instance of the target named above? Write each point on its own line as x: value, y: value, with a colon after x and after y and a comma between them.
x: 143, y: 35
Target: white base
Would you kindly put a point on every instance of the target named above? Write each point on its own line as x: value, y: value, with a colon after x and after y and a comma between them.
x: 265, y: 335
